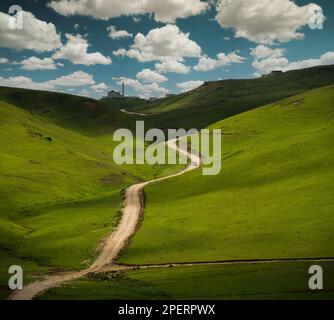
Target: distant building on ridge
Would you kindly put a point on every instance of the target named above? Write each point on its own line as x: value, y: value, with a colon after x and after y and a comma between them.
x: 114, y: 95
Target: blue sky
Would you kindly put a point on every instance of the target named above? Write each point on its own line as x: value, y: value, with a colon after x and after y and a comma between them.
x: 190, y: 35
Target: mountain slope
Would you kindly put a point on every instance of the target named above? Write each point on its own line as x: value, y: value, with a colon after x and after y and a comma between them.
x: 273, y: 198
x: 218, y: 100
x: 59, y: 187
x: 84, y: 115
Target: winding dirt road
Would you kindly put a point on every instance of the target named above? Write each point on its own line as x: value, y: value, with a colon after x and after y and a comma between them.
x: 134, y: 113
x: 117, y: 241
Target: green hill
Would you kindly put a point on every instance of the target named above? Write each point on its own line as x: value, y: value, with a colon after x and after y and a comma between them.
x: 126, y: 103
x: 273, y: 198
x: 218, y: 100
x: 59, y: 188
x: 84, y: 115
x: 282, y: 281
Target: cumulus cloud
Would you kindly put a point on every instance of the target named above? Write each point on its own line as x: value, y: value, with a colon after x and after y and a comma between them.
x: 172, y: 65
x: 36, y: 35
x: 206, y: 64
x: 189, y: 85
x: 270, y: 64
x: 143, y: 89
x: 325, y: 59
x: 262, y: 52
x: 75, y: 79
x: 118, y: 34
x: 120, y: 52
x: 76, y: 49
x: 268, y: 60
x: 161, y: 43
x: 99, y: 87
x: 4, y: 60
x: 265, y: 21
x: 162, y: 10
x: 148, y: 75
x: 26, y: 83
x: 34, y: 63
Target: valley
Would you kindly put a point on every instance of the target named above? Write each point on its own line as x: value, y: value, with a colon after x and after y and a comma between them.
x: 62, y: 194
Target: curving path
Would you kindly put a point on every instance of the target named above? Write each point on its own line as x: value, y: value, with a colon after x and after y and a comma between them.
x: 134, y: 113
x: 117, y: 241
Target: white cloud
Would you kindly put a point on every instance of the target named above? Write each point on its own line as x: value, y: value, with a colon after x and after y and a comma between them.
x: 172, y: 65
x: 120, y: 52
x: 148, y: 75
x: 189, y: 85
x: 24, y: 82
x: 34, y: 63
x: 99, y: 87
x: 75, y: 50
x: 262, y: 52
x: 136, y: 19
x: 118, y: 34
x: 163, y: 10
x: 144, y: 90
x: 264, y: 21
x: 75, y: 79
x: 325, y: 59
x: 36, y: 34
x: 270, y: 64
x: 161, y: 43
x: 206, y: 64
x: 64, y: 83
x: 4, y: 60
x: 268, y: 60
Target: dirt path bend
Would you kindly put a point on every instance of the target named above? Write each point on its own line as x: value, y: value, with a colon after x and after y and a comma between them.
x: 134, y: 113
x: 117, y: 241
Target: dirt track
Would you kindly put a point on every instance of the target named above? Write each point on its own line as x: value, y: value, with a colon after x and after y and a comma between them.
x: 134, y: 113
x: 116, y: 242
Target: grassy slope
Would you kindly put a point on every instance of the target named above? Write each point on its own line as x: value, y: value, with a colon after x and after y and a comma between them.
x: 59, y: 188
x: 80, y: 114
x: 271, y: 281
x: 218, y: 100
x: 126, y: 103
x: 273, y: 199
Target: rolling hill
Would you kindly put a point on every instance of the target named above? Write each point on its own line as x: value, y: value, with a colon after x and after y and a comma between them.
x: 218, y: 100
x: 76, y: 113
x: 273, y: 198
x: 59, y: 188
x: 61, y: 193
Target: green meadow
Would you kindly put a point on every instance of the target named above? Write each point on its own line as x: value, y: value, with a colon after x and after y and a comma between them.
x: 288, y: 281
x: 61, y: 193
x: 218, y: 100
x: 60, y: 190
x: 272, y: 199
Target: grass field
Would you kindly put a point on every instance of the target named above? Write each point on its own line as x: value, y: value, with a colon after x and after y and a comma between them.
x: 60, y: 193
x: 59, y: 188
x: 215, y: 101
x: 271, y: 281
x: 273, y: 198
